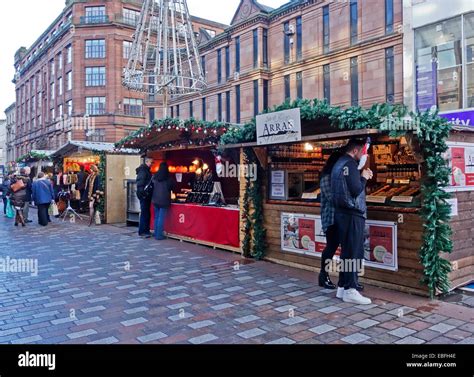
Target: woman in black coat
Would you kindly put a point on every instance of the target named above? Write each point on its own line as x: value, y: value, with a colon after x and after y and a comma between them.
x: 163, y: 184
x: 19, y: 198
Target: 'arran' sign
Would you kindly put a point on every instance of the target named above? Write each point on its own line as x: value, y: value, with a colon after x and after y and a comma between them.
x: 279, y: 127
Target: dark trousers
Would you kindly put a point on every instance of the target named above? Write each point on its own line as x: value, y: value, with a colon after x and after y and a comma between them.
x: 351, y: 232
x: 43, y: 214
x: 332, y: 243
x: 5, y: 206
x: 145, y: 217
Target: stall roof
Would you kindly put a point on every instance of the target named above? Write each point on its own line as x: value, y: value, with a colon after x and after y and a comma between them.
x: 73, y: 146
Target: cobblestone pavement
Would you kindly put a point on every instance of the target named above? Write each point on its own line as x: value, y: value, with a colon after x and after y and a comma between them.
x: 105, y: 285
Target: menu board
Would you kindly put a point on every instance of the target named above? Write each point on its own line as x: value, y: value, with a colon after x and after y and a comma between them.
x: 303, y: 234
x: 277, y: 185
x: 460, y: 157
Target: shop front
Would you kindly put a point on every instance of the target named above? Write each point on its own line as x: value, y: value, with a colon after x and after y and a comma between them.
x: 205, y: 207
x: 114, y: 168
x: 398, y: 237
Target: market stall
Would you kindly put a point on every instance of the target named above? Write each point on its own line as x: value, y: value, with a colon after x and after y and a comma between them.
x: 115, y: 167
x: 408, y: 236
x: 205, y: 207
x: 37, y: 160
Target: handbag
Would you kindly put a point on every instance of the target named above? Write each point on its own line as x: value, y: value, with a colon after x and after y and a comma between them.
x: 10, y: 210
x: 18, y: 185
x: 148, y: 190
x: 53, y: 209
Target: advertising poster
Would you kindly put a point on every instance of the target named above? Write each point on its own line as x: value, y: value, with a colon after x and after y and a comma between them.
x: 426, y: 86
x: 460, y: 158
x: 303, y: 234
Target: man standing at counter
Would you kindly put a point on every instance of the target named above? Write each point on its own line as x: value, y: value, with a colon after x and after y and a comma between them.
x: 143, y: 179
x: 348, y: 186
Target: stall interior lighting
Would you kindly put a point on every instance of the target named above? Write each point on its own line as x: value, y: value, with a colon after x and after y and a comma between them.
x: 308, y: 147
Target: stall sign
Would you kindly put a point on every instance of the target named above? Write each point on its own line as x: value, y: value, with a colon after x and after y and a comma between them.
x: 279, y: 127
x: 460, y: 158
x: 277, y: 185
x: 303, y: 234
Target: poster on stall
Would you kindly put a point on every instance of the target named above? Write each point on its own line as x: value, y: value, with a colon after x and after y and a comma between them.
x: 460, y: 158
x: 303, y: 234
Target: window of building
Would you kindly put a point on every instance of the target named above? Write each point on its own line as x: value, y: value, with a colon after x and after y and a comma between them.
x: 60, y: 111
x: 388, y: 16
x: 69, y: 107
x: 191, y: 109
x: 227, y: 106
x: 299, y: 85
x: 227, y: 63
x: 60, y: 61
x: 353, y: 21
x: 203, y: 65
x: 95, y: 15
x: 327, y: 83
x: 95, y: 105
x: 287, y: 87
x: 265, y: 48
x: 97, y: 135
x: 355, y: 81
x: 69, y: 80
x: 265, y: 95
x: 389, y: 75
x: 69, y: 54
x: 255, y: 98
x: 52, y: 92
x: 51, y: 68
x: 178, y: 111
x: 60, y: 86
x: 95, y: 76
x: 133, y: 106
x: 237, y: 104
x: 151, y: 114
x: 172, y: 111
x: 52, y: 114
x: 204, y: 112
x: 286, y: 42
x: 237, y: 54
x: 255, y: 48
x: 219, y: 66
x: 299, y: 38
x: 95, y: 49
x: 469, y: 52
x: 219, y: 107
x: 439, y: 64
x: 130, y: 16
x: 326, y: 29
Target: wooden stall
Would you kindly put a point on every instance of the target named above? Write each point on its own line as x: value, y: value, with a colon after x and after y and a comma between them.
x: 395, y: 229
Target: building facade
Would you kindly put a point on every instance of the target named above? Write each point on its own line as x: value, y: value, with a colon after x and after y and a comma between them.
x: 439, y: 58
x: 69, y: 82
x: 349, y: 52
x: 3, y: 141
x: 10, y: 115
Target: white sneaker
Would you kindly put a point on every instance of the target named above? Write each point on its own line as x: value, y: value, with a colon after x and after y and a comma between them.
x: 351, y: 295
x: 340, y: 292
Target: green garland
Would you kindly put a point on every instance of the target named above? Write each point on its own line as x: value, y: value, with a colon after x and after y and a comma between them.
x: 102, y: 167
x: 33, y: 156
x: 433, y: 131
x: 246, y: 218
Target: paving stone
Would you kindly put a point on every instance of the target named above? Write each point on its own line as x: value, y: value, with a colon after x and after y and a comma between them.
x: 355, y: 338
x: 133, y: 322
x: 251, y: 333
x: 201, y: 324
x: 293, y: 320
x: 441, y: 328
x: 203, y: 339
x: 152, y: 337
x: 109, y: 340
x: 402, y: 332
x: 322, y: 329
x: 81, y: 334
x: 366, y: 323
x: 282, y: 341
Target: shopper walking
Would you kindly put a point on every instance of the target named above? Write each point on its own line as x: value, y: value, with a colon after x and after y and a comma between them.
x: 43, y: 196
x: 327, y: 219
x: 5, y: 193
x: 18, y: 187
x: 163, y: 184
x: 144, y: 177
x: 348, y: 188
x: 26, y: 171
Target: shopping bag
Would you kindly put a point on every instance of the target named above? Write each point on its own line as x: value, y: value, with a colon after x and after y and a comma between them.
x: 54, y: 210
x: 97, y: 219
x: 10, y: 210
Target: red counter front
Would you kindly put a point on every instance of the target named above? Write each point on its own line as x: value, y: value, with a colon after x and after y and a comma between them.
x: 217, y: 226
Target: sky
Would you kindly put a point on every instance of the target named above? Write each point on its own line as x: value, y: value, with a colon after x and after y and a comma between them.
x: 23, y: 21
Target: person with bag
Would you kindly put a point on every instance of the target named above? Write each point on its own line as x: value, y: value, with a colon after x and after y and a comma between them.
x: 144, y: 193
x: 43, y: 196
x: 5, y: 193
x: 18, y: 188
x: 163, y: 184
x: 26, y: 171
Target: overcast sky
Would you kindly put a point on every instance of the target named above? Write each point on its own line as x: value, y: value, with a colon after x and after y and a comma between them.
x: 23, y: 21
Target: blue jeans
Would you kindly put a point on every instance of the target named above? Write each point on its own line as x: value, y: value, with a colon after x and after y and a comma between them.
x: 145, y: 217
x: 160, y: 215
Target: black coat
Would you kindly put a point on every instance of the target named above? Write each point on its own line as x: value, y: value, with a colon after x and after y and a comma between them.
x: 143, y: 178
x: 162, y: 188
x: 19, y: 198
